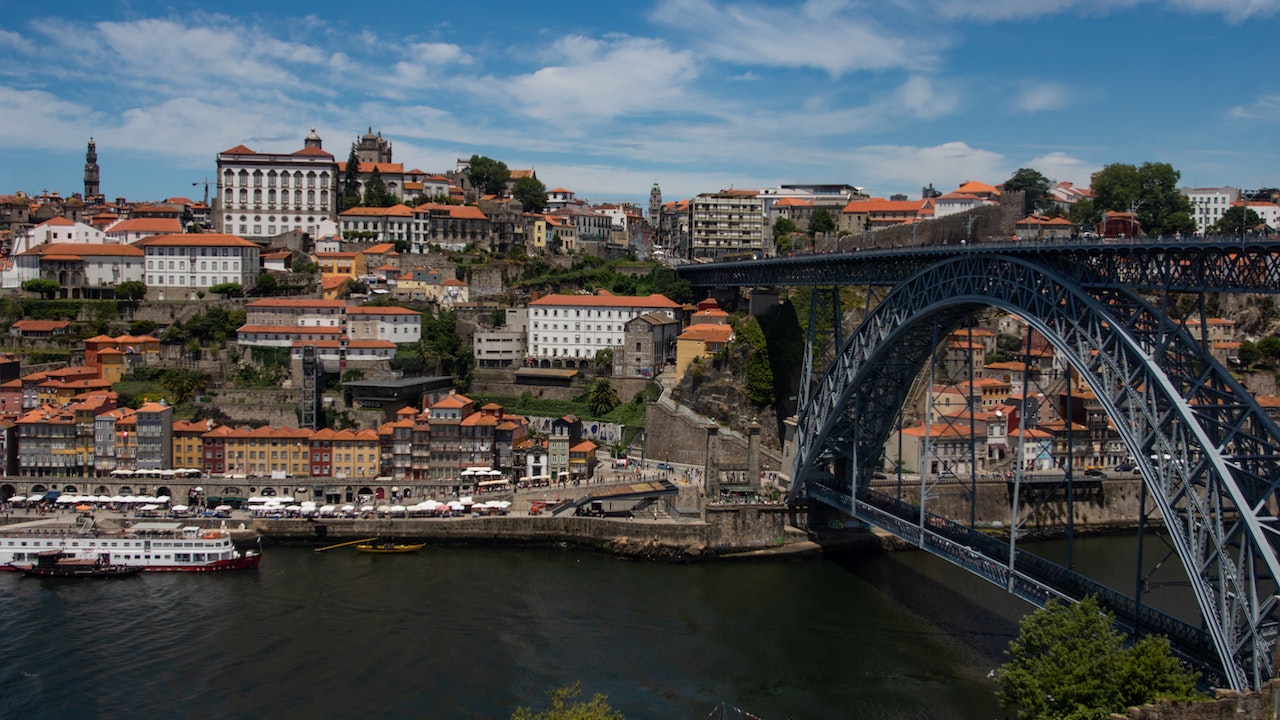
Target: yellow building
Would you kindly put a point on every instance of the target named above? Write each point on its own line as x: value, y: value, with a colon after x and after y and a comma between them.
x: 188, y: 445
x: 266, y: 451
x: 341, y: 264
x: 700, y: 341
x: 356, y: 454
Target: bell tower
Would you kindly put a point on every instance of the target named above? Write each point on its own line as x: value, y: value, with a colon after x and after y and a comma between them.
x: 92, y: 184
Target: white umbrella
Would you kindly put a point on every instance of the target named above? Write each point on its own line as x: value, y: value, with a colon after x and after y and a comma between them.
x: 397, y: 508
x: 348, y: 507
x: 222, y: 508
x: 117, y: 499
x: 37, y: 497
x: 366, y: 508
x: 179, y: 508
x: 65, y: 499
x: 18, y: 498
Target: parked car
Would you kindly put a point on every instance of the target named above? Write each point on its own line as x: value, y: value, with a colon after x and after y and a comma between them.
x: 1094, y: 472
x: 1126, y: 467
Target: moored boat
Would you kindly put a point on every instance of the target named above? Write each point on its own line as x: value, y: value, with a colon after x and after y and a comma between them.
x: 389, y: 547
x: 146, y: 546
x: 58, y: 564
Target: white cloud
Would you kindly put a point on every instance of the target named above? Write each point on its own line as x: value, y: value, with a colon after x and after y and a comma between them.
x: 1264, y: 107
x: 1235, y: 11
x: 599, y: 80
x: 1059, y: 167
x: 918, y: 95
x: 424, y: 62
x: 1040, y: 97
x: 34, y: 118
x: 831, y: 35
x: 946, y: 166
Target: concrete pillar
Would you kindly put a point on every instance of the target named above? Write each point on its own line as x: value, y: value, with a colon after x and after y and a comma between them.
x: 712, y: 466
x: 788, y: 451
x: 753, y: 455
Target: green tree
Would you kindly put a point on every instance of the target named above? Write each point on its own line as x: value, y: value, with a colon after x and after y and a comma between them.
x: 566, y: 706
x: 604, y: 358
x: 376, y: 193
x: 267, y: 284
x: 131, y: 290
x: 601, y: 397
x: 487, y: 175
x: 142, y: 327
x: 181, y: 385
x: 46, y: 289
x: 1235, y: 220
x: 1151, y: 191
x: 821, y: 221
x: 351, y: 181
x: 227, y: 289
x: 1068, y: 662
x: 531, y: 193
x: 759, y: 371
x: 1035, y: 187
x: 782, y: 229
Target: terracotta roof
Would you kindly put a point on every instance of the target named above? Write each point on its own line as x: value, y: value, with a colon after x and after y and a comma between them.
x: 295, y: 302
x: 195, y: 240
x: 147, y: 224
x: 238, y: 150
x: 380, y: 310
x: 395, y: 210
x: 650, y: 301
x: 708, y: 332
x: 27, y: 325
x: 76, y: 250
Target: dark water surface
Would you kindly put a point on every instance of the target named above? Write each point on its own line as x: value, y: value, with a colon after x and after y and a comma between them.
x: 476, y: 632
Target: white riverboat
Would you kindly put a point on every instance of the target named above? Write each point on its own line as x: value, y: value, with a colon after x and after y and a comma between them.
x: 152, y: 546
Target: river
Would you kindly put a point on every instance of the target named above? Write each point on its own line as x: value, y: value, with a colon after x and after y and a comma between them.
x: 473, y: 632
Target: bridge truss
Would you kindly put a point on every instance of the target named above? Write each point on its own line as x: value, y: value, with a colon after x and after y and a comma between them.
x: 1206, y: 451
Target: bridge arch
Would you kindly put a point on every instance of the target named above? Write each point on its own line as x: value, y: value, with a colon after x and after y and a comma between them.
x: 1204, y: 448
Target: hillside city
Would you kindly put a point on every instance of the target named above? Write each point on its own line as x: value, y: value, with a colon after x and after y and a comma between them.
x: 318, y: 317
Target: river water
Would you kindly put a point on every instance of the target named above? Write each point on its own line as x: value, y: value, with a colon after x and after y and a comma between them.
x: 475, y: 632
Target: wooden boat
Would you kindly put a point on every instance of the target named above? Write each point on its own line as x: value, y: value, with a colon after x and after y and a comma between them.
x: 58, y: 564
x: 388, y: 548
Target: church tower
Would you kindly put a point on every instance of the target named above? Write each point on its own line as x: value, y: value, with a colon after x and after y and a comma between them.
x: 655, y: 206
x: 373, y: 148
x: 313, y: 141
x: 92, y: 184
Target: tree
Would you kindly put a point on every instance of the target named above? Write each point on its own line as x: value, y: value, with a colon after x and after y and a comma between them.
x: 601, y: 397
x: 487, y: 175
x: 131, y: 290
x: 604, y: 358
x: 531, y: 193
x: 267, y: 284
x: 782, y: 229
x: 1034, y: 186
x: 46, y: 289
x: 351, y: 181
x: 376, y: 193
x: 227, y: 289
x: 1235, y: 220
x: 1068, y: 662
x: 1151, y: 191
x: 565, y: 706
x: 821, y: 221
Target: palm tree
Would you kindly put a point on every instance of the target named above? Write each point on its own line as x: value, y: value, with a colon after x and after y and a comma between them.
x: 601, y: 397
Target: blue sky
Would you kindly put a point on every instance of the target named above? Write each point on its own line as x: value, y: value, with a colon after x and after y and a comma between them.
x: 606, y: 98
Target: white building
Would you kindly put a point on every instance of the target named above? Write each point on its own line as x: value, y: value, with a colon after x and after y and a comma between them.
x: 191, y: 262
x: 1208, y: 205
x: 83, y: 270
x: 261, y: 195
x: 128, y: 232
x: 58, y: 230
x: 379, y: 224
x: 566, y: 331
x: 393, y: 324
x: 730, y: 222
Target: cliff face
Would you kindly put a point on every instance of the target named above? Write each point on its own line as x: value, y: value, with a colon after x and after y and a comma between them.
x: 717, y: 389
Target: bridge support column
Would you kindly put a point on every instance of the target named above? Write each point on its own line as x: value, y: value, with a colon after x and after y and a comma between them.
x: 753, y: 455
x: 711, y: 486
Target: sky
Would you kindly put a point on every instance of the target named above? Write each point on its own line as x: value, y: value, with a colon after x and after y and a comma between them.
x: 607, y: 98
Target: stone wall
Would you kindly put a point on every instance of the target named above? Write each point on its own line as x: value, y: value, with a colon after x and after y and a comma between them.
x: 279, y: 408
x: 728, y: 528
x: 678, y: 435
x: 1226, y: 705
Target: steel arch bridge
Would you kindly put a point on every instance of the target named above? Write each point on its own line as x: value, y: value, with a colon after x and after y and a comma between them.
x: 1209, y: 456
